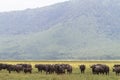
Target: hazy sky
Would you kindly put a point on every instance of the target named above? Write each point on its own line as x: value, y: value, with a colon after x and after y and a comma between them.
x: 8, y: 5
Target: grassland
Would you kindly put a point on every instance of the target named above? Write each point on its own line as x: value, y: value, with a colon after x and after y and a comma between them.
x: 76, y: 75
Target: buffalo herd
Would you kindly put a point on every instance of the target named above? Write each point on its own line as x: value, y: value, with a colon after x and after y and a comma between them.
x: 17, y: 68
x: 59, y: 68
x: 54, y: 68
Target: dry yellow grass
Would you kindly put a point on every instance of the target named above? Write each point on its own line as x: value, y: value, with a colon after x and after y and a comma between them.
x: 4, y: 75
x: 72, y: 63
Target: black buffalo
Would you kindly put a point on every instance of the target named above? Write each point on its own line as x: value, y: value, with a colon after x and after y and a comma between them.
x: 16, y: 68
x: 82, y: 68
x: 3, y: 66
x: 27, y: 70
x: 40, y: 67
x: 116, y: 69
x: 59, y: 69
x: 100, y: 69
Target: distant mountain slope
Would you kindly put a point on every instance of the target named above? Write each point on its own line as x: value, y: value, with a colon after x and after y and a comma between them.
x: 31, y: 20
x: 87, y: 29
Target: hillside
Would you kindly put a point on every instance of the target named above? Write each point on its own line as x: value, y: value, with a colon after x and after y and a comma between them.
x: 73, y: 30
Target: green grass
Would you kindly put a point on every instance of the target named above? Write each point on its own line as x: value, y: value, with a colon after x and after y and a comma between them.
x: 76, y: 75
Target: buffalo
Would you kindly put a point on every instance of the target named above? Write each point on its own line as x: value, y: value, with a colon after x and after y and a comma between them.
x: 59, y: 69
x: 3, y: 66
x: 27, y: 70
x: 40, y: 67
x: 82, y: 68
x: 116, y: 69
x: 100, y: 69
x: 16, y: 68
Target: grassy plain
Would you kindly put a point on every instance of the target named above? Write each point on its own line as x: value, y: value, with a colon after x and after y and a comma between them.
x: 76, y: 75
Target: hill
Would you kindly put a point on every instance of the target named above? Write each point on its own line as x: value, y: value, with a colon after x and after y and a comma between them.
x: 73, y: 30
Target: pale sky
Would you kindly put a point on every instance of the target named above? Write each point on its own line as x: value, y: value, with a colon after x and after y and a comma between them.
x: 11, y: 5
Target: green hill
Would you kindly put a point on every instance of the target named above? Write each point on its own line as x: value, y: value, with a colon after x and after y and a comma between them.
x: 74, y: 30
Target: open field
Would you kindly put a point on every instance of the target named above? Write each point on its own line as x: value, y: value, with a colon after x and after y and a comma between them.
x: 76, y: 75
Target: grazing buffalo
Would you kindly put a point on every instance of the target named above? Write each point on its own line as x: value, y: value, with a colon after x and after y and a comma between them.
x: 27, y: 70
x: 62, y: 68
x: 16, y: 68
x: 10, y: 68
x: 82, y: 68
x: 40, y: 67
x: 3, y: 66
x: 59, y: 69
x: 106, y: 69
x: 116, y: 65
x: 69, y: 68
x: 100, y: 69
x: 49, y: 68
x: 116, y: 69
